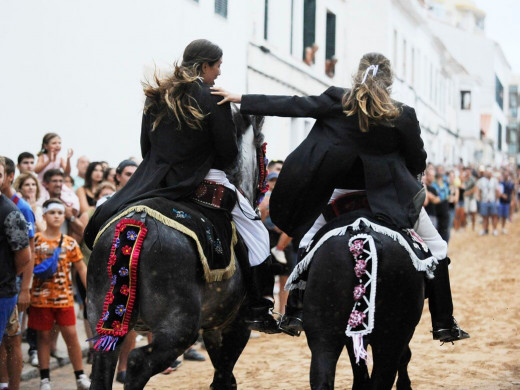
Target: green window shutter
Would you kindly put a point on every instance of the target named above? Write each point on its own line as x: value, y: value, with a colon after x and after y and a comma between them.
x: 221, y: 7
x: 330, y: 39
x: 309, y: 24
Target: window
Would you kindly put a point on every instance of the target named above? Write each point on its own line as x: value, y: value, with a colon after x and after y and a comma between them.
x: 330, y: 45
x: 499, y: 93
x: 266, y: 19
x: 221, y: 7
x: 292, y: 25
x: 404, y: 59
x: 465, y: 100
x: 499, y: 136
x: 513, y: 100
x: 309, y: 30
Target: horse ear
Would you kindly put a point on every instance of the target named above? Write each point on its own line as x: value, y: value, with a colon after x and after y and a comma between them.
x: 258, y: 122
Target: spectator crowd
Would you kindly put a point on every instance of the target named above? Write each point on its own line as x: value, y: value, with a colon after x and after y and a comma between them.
x: 465, y: 196
x: 44, y: 210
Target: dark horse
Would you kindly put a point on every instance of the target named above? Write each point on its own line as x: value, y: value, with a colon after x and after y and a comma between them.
x: 329, y: 301
x: 173, y: 299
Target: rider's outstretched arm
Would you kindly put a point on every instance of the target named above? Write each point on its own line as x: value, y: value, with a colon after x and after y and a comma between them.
x: 287, y: 106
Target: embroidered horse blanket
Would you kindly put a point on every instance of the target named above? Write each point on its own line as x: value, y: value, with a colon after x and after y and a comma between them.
x: 211, y: 230
x: 361, y: 222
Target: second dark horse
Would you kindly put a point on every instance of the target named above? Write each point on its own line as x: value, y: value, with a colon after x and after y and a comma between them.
x: 329, y: 301
x: 173, y: 300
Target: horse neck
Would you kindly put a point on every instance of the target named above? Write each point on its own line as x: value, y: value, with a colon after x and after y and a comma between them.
x: 244, y: 173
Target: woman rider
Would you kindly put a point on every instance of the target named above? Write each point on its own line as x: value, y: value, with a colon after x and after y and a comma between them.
x: 187, y: 137
x: 364, y: 141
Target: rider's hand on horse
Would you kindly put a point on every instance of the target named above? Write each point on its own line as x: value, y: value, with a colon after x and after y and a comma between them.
x: 228, y: 96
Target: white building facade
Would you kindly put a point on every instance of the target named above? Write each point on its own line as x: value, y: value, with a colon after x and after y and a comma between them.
x: 484, y: 98
x: 76, y: 69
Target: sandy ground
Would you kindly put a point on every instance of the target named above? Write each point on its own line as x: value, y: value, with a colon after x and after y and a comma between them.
x: 485, y: 274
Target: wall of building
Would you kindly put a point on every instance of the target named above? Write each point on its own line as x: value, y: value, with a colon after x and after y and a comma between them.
x: 76, y: 68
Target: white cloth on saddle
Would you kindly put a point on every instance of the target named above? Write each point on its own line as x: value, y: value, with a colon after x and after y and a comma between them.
x: 423, y: 227
x: 253, y: 232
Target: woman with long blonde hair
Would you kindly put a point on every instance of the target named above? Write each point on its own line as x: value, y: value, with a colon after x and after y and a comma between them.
x: 366, y: 149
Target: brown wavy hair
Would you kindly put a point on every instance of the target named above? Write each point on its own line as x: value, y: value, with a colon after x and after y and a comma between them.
x: 22, y: 178
x: 370, y: 100
x: 171, y: 95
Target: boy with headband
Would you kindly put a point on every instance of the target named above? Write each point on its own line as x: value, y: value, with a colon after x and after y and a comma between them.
x: 52, y: 298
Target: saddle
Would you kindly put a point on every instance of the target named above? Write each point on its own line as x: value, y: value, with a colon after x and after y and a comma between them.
x: 204, y: 218
x: 345, y: 204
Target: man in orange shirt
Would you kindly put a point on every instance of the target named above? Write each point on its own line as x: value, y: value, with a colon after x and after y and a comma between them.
x: 52, y: 299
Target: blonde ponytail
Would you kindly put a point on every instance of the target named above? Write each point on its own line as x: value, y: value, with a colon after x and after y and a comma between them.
x: 369, y: 97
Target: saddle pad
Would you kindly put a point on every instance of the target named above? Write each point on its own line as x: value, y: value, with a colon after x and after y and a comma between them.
x: 212, y: 230
x: 417, y: 249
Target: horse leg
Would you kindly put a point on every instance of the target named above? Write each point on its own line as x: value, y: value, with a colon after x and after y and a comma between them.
x: 327, y: 304
x: 359, y: 370
x: 103, y: 369
x: 326, y: 348
x: 166, y: 346
x: 403, y: 380
x: 224, y: 349
x: 104, y: 363
x: 391, y: 353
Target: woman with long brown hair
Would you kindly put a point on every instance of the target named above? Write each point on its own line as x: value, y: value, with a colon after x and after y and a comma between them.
x: 364, y: 145
x: 187, y: 137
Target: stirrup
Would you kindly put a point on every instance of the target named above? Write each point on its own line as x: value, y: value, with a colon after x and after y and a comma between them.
x: 266, y: 325
x: 262, y: 321
x: 291, y: 325
x: 449, y: 335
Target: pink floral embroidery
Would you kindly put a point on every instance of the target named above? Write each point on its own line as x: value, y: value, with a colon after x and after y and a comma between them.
x: 361, y: 268
x: 356, y: 318
x: 117, y: 325
x: 357, y: 248
x: 359, y: 291
x: 124, y: 289
x: 126, y: 250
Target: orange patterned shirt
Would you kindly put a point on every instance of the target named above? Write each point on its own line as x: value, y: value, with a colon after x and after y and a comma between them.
x: 55, y: 292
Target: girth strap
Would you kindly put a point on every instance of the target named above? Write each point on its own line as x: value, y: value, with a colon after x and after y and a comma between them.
x: 215, y: 195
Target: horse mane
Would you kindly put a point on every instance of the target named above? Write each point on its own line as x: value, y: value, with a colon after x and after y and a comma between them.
x: 236, y: 174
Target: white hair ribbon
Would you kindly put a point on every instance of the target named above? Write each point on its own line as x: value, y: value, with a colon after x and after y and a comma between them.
x: 54, y: 206
x: 372, y: 68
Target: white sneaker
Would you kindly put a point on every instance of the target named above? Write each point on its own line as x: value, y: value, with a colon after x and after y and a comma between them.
x: 83, y: 383
x: 45, y: 384
x: 279, y: 255
x: 483, y: 232
x: 495, y: 232
x: 33, y: 358
x: 504, y: 231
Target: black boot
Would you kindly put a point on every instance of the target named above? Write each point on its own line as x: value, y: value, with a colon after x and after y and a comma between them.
x: 438, y: 291
x: 259, y: 317
x: 292, y: 320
